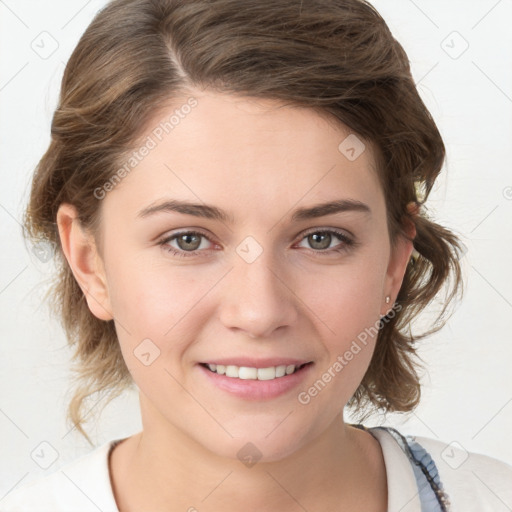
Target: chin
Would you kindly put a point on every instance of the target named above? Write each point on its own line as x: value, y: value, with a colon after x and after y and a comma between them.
x: 260, y: 441
x: 250, y: 451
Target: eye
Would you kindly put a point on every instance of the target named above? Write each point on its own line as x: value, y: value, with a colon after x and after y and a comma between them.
x: 185, y: 242
x: 191, y: 243
x: 321, y: 239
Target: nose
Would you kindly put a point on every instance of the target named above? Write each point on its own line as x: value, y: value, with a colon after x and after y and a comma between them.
x: 258, y: 298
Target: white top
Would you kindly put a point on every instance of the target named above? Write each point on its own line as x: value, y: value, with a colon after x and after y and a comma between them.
x: 473, y: 482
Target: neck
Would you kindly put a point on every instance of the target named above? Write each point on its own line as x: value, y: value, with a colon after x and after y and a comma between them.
x: 163, y: 470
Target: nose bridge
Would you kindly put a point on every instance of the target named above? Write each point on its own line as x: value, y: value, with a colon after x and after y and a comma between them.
x: 256, y: 298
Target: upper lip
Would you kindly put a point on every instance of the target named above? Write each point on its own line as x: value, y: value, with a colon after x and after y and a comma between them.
x: 258, y: 363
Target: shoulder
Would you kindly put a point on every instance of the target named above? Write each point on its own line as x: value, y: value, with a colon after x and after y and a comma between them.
x: 473, y: 481
x: 79, y: 486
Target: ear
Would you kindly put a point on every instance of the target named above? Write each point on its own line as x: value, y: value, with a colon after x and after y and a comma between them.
x: 400, y: 257
x: 84, y: 260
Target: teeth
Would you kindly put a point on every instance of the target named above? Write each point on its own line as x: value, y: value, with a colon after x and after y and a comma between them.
x: 248, y: 373
x: 280, y: 371
x: 290, y: 369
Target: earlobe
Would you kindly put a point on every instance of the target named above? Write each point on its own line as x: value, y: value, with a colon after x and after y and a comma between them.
x: 398, y: 264
x: 82, y: 256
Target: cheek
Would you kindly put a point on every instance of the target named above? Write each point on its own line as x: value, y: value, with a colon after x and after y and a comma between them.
x: 347, y: 304
x: 346, y: 300
x: 151, y: 300
x: 149, y: 294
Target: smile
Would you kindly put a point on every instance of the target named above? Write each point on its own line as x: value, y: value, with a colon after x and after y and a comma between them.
x: 253, y: 379
x: 250, y: 373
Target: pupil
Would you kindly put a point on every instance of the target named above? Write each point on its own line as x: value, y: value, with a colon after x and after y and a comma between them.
x: 324, y: 240
x: 189, y: 242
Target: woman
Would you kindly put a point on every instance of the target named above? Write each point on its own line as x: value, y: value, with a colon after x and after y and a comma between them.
x: 235, y: 193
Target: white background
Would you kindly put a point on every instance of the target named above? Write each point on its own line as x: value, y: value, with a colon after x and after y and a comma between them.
x: 467, y: 392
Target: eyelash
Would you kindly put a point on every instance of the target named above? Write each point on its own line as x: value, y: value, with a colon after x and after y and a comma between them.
x: 347, y: 244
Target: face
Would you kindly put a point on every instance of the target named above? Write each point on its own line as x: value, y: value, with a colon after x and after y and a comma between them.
x: 217, y: 251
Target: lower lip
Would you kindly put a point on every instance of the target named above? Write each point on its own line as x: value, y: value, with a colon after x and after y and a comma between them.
x: 252, y: 389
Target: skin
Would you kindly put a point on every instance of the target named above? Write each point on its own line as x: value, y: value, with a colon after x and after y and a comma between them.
x: 259, y: 163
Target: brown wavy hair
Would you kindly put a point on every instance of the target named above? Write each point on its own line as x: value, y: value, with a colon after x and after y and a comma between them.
x: 337, y: 57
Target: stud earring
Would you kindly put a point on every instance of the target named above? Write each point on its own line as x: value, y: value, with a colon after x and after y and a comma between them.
x: 388, y: 299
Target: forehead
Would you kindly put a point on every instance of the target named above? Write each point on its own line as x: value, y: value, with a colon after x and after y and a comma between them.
x: 248, y: 152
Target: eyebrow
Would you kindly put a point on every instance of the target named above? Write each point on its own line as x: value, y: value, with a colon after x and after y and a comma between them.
x: 212, y: 212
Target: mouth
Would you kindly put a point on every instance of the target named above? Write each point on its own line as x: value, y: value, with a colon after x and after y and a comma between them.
x: 254, y: 373
x: 255, y: 380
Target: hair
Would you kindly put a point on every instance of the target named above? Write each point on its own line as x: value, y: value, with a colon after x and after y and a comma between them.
x: 337, y: 57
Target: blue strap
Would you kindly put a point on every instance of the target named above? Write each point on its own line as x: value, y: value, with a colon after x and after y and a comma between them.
x: 430, y: 489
